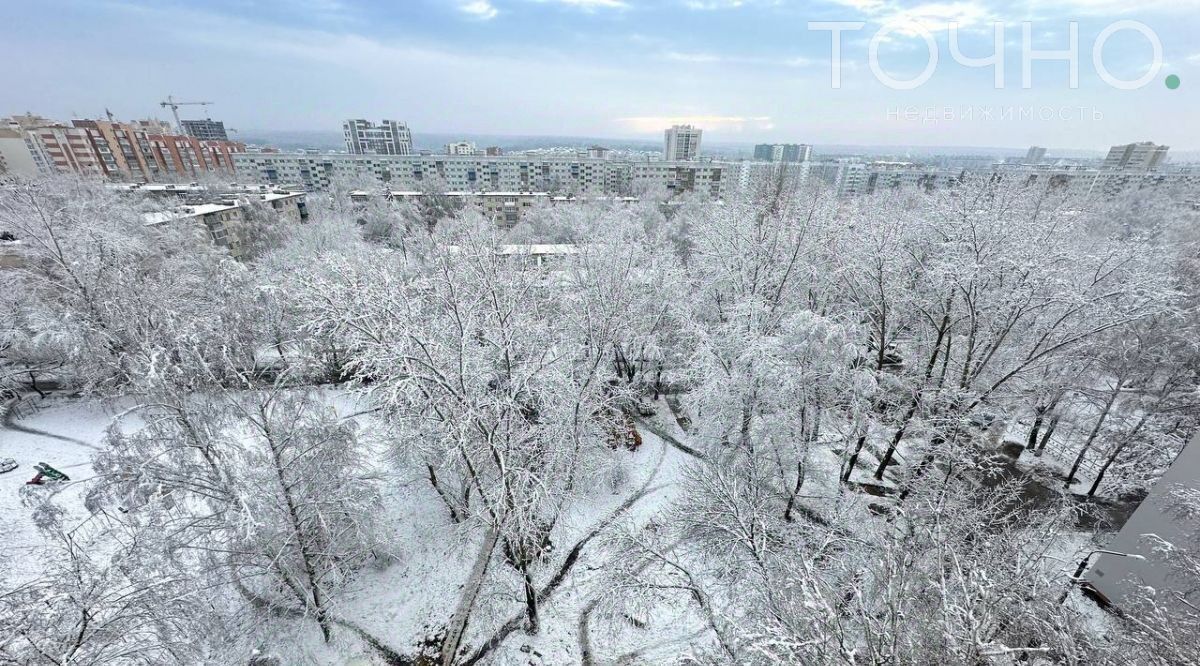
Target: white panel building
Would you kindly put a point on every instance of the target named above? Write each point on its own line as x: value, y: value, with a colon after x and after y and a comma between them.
x: 589, y: 176
x: 484, y: 173
x: 389, y: 137
x: 1143, y: 156
x: 681, y: 143
x: 461, y: 148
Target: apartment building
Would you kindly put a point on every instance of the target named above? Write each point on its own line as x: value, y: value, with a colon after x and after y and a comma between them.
x: 58, y: 148
x: 224, y: 217
x: 116, y: 150
x: 796, y: 152
x: 595, y: 177
x: 506, y: 208
x: 480, y: 173
x: 187, y: 156
x: 124, y: 150
x: 15, y: 156
x: 205, y: 130
x: 681, y: 143
x: 128, y: 152
x: 851, y: 178
x: 1143, y: 156
x: 705, y: 179
x: 460, y: 148
x: 744, y: 176
x: 782, y: 152
x: 389, y: 137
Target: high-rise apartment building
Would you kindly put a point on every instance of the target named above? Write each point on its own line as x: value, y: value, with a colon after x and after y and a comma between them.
x: 387, y: 138
x: 681, y: 143
x: 1035, y: 155
x: 58, y: 148
x: 801, y: 152
x: 205, y: 130
x: 186, y: 155
x: 782, y: 152
x: 127, y: 151
x: 1143, y: 156
x: 124, y: 150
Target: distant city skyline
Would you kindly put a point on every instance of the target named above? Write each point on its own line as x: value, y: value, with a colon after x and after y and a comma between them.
x: 327, y: 140
x: 742, y: 70
x: 331, y: 140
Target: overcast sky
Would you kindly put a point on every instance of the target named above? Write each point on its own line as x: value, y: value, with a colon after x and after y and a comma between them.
x: 745, y: 70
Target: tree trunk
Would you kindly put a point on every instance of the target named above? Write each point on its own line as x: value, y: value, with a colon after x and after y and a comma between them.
x: 1032, y: 441
x: 1051, y: 409
x: 531, y: 601
x: 744, y: 433
x: 302, y: 538
x: 787, y: 513
x: 880, y: 352
x: 466, y: 603
x: 1048, y: 434
x: 853, y: 461
x: 945, y: 359
x: 34, y: 385
x: 1113, y: 456
x: 1112, y: 398
x: 433, y: 481
x: 1103, y: 469
x: 916, y: 401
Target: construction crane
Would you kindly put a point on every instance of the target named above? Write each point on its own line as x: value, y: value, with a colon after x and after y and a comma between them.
x: 174, y: 106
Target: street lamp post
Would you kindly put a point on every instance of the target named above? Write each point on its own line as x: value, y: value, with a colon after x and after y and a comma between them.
x: 1084, y: 562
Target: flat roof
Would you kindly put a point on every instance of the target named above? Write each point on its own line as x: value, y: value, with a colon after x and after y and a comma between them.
x: 184, y: 212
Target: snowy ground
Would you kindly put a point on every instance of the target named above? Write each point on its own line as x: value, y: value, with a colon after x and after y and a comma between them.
x: 402, y: 598
x: 63, y: 433
x: 414, y: 587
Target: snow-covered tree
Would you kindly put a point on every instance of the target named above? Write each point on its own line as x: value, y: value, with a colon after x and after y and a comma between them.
x: 489, y: 366
x: 114, y: 303
x: 102, y: 597
x: 267, y: 492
